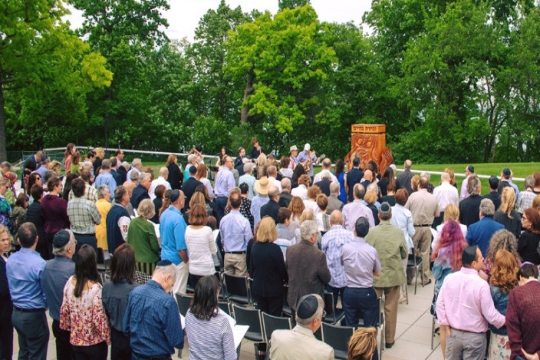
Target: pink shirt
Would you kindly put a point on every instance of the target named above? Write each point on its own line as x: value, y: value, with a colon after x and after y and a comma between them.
x: 465, y: 303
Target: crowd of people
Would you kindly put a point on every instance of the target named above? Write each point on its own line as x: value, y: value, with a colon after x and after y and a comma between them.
x: 295, y: 234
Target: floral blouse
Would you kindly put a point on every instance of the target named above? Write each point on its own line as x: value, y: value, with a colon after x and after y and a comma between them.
x: 84, y: 317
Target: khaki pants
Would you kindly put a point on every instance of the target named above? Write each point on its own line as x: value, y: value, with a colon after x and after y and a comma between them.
x: 235, y: 264
x: 465, y: 345
x: 422, y: 244
x: 391, y: 298
x: 182, y: 273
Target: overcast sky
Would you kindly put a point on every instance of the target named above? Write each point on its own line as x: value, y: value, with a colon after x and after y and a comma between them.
x: 184, y: 15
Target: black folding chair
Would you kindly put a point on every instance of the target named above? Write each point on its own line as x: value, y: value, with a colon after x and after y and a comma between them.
x: 271, y: 323
x: 333, y: 315
x: 183, y: 302
x: 237, y: 289
x: 415, y: 262
x: 337, y: 337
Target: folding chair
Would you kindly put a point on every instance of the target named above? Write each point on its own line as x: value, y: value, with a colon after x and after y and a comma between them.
x: 252, y: 318
x: 333, y: 315
x: 183, y: 302
x: 237, y: 289
x: 271, y: 323
x: 337, y: 337
x: 415, y: 262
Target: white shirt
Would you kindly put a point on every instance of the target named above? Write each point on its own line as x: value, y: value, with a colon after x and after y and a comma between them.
x: 206, y: 183
x: 446, y: 194
x: 128, y: 176
x: 155, y: 183
x: 300, y: 191
x: 200, y: 246
x: 275, y: 183
x: 319, y: 176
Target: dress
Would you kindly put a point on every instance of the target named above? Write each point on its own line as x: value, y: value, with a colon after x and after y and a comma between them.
x: 499, y: 345
x: 103, y: 207
x: 142, y: 237
x: 210, y: 339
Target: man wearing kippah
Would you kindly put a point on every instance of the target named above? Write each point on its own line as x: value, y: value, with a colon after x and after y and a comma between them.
x: 152, y: 322
x: 389, y: 242
x: 55, y: 275
x: 300, y: 343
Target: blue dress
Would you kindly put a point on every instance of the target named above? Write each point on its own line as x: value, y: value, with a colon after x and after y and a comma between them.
x: 342, y: 192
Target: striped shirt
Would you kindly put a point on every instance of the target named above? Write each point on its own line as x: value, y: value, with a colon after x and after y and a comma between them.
x: 83, y: 216
x: 210, y: 339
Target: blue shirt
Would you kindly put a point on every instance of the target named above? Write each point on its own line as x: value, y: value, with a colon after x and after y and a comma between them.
x: 235, y: 232
x: 55, y: 275
x: 256, y: 204
x: 224, y: 182
x: 152, y: 321
x: 24, y: 272
x: 480, y: 233
x: 302, y: 156
x: 172, y: 228
x: 106, y: 178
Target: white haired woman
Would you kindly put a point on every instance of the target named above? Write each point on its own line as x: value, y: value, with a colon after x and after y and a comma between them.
x: 142, y: 237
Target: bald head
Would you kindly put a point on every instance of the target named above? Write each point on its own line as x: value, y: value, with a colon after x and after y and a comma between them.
x: 164, y: 172
x: 334, y: 188
x: 286, y: 184
x: 326, y: 164
x: 445, y: 177
x: 271, y: 171
x: 273, y: 191
x: 336, y: 218
x: 408, y: 164
x: 368, y: 175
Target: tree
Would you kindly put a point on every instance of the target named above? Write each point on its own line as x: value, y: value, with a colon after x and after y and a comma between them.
x: 291, y: 4
x: 283, y: 60
x: 41, y: 57
x: 126, y: 32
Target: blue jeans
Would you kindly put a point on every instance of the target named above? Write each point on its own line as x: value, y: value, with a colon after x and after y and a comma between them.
x: 337, y: 292
x: 221, y: 203
x: 361, y: 302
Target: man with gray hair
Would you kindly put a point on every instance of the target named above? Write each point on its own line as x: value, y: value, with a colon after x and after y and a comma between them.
x: 299, y: 343
x: 285, y: 196
x: 445, y: 194
x: 404, y: 177
x: 271, y: 208
x: 248, y: 179
x: 427, y: 175
x: 468, y: 208
x: 324, y: 183
x: 105, y: 177
x: 389, y: 242
x: 271, y: 171
x: 333, y: 200
x: 141, y: 190
x: 480, y: 232
x: 152, y: 314
x: 161, y: 180
x: 526, y: 197
x: 356, y: 209
x: 55, y: 275
x: 326, y: 167
x: 306, y: 265
x: 136, y: 167
x: 331, y: 245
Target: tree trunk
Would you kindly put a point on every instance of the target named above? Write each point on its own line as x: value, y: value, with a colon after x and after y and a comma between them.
x: 3, y: 138
x: 247, y: 91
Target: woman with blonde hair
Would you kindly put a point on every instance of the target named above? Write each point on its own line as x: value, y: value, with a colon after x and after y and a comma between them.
x: 55, y: 166
x: 307, y: 214
x: 503, y: 280
x: 414, y: 183
x: 371, y: 198
x: 142, y: 237
x: 268, y: 269
x: 200, y: 245
x: 68, y: 157
x: 297, y: 208
x: 506, y: 215
x: 260, y: 169
x: 363, y: 344
x: 450, y: 172
x: 451, y: 212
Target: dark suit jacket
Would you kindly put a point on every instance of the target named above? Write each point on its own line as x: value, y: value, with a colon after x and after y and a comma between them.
x: 6, y: 306
x: 284, y: 199
x: 139, y: 194
x: 116, y: 176
x: 495, y: 197
x: 324, y: 185
x: 353, y: 177
x: 188, y: 187
x: 271, y: 209
x: 404, y: 180
x: 334, y: 204
x: 308, y: 271
x: 267, y: 269
x: 469, y: 210
x: 175, y: 176
x: 123, y: 174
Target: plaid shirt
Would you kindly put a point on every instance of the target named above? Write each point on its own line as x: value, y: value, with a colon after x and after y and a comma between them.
x: 83, y: 215
x: 525, y: 200
x: 331, y: 245
x: 89, y: 193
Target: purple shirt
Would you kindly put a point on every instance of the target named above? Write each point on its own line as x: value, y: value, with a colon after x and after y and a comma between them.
x: 331, y: 245
x: 224, y: 182
x: 465, y: 303
x: 354, y: 210
x: 360, y: 260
